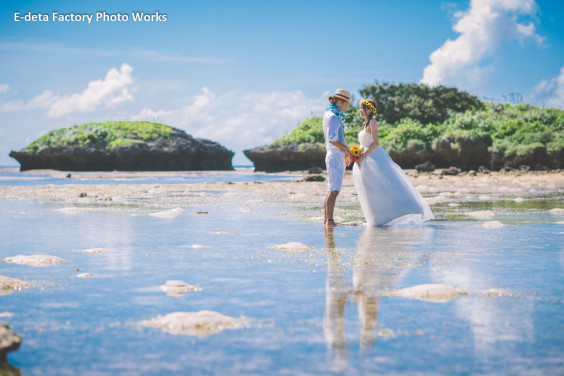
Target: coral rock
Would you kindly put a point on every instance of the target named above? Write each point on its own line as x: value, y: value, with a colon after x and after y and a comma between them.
x: 177, y: 288
x: 203, y: 323
x: 34, y: 260
x: 430, y: 292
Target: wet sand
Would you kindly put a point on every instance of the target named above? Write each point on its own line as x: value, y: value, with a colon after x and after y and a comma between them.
x: 167, y: 200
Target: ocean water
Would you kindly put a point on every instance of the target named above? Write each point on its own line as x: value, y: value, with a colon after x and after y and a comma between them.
x: 11, y: 176
x: 325, y: 310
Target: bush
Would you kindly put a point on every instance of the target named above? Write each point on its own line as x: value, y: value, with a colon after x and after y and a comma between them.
x: 556, y: 144
x: 397, y: 137
x: 418, y: 102
x: 415, y: 116
x: 523, y: 150
x: 102, y: 135
x: 310, y: 131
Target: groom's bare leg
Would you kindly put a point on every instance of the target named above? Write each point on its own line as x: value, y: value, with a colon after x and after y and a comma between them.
x: 329, y: 206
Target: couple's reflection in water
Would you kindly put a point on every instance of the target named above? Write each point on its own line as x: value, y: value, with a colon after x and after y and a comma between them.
x: 380, y: 263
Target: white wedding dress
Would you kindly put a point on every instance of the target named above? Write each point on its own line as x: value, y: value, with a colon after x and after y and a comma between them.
x: 386, y: 194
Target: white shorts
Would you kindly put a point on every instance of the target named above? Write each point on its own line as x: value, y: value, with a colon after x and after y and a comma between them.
x: 336, y: 165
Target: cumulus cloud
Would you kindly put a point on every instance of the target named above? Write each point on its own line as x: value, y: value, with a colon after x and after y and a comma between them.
x: 239, y: 121
x: 107, y: 92
x: 550, y: 93
x: 483, y: 29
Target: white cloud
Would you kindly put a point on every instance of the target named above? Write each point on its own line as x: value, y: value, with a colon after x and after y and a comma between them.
x: 483, y: 30
x: 105, y: 93
x: 44, y: 100
x: 550, y: 93
x: 239, y: 121
x: 12, y: 106
x: 4, y: 88
x: 100, y: 93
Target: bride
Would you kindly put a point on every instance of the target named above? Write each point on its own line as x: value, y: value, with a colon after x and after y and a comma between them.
x: 386, y: 195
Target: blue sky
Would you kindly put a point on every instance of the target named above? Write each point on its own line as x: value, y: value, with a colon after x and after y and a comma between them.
x: 244, y: 73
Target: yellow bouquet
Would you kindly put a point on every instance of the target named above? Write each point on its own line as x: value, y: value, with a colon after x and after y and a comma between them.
x: 355, y: 151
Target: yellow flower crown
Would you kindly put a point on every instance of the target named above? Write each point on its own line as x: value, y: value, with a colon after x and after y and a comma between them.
x: 369, y: 105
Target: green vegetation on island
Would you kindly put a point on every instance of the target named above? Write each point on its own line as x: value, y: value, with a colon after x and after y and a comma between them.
x: 108, y: 135
x: 416, y: 116
x: 123, y: 146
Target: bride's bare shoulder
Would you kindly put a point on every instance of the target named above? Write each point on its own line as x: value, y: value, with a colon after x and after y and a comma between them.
x: 372, y: 124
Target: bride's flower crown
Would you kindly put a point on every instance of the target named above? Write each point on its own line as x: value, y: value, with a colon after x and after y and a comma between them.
x: 369, y: 105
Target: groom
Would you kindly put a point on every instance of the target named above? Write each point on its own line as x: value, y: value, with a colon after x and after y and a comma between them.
x: 338, y: 154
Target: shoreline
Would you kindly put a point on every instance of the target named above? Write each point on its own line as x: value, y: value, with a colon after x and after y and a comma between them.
x: 302, y: 197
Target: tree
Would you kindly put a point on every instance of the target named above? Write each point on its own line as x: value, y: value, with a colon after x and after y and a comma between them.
x: 426, y: 104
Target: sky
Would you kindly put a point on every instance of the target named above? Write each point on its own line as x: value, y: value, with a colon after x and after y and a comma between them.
x: 244, y: 73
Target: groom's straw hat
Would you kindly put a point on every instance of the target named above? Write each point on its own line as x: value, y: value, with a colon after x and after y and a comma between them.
x: 343, y: 94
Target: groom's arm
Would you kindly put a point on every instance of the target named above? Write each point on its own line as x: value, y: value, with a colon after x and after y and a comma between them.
x: 333, y: 134
x: 340, y: 145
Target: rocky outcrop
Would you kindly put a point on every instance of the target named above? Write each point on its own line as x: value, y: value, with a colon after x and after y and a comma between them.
x: 535, y: 158
x: 288, y: 158
x: 131, y: 152
x: 461, y: 152
x: 9, y: 285
x: 414, y: 155
x: 9, y: 341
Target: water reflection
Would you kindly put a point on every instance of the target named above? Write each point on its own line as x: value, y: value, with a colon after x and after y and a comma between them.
x: 495, y: 323
x: 384, y: 257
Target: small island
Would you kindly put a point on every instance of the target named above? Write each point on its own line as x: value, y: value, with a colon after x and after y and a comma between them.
x: 123, y: 146
x: 433, y: 127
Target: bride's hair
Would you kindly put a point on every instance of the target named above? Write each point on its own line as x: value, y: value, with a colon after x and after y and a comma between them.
x: 366, y: 108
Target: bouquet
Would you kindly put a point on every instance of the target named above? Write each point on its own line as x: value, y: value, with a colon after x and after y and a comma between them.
x: 355, y: 151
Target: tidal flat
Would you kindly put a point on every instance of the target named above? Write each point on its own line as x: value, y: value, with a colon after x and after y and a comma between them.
x: 234, y: 273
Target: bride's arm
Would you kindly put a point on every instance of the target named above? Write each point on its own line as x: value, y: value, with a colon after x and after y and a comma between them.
x: 373, y: 126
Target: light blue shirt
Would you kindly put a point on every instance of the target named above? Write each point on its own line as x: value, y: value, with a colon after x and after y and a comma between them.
x: 333, y: 130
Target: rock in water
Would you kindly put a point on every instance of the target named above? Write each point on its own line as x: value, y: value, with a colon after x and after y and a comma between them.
x: 292, y: 247
x: 203, y: 323
x: 314, y: 178
x: 430, y: 292
x: 425, y: 167
x: 34, y: 260
x: 9, y: 341
x: 178, y: 288
x: 8, y: 285
x: 496, y: 292
x: 493, y: 224
x: 168, y: 213
x: 94, y: 251
x: 287, y: 158
x: 481, y: 214
x: 124, y: 146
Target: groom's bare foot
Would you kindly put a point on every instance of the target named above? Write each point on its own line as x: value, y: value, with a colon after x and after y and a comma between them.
x: 331, y: 222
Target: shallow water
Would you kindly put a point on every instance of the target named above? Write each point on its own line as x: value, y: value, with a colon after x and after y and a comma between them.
x: 325, y: 310
x: 11, y: 176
